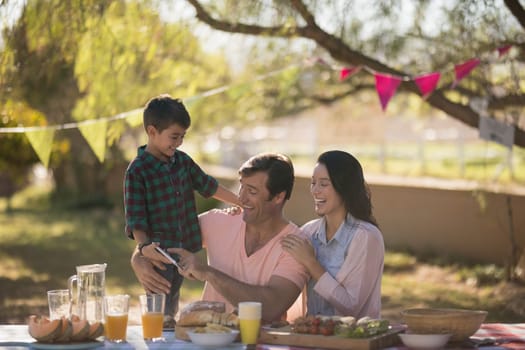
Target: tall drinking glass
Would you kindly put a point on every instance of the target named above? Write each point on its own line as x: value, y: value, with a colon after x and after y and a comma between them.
x: 116, y: 309
x: 152, y: 311
x: 250, y: 321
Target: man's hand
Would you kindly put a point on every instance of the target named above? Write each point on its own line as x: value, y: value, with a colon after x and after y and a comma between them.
x: 147, y: 276
x: 192, y: 266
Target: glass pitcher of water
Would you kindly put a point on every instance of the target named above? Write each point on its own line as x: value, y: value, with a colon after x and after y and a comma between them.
x: 88, y: 301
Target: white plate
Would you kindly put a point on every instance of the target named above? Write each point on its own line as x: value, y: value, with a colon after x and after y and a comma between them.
x: 66, y: 346
x: 213, y: 339
x: 424, y: 341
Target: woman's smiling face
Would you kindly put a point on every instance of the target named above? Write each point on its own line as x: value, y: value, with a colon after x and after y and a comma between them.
x: 326, y: 198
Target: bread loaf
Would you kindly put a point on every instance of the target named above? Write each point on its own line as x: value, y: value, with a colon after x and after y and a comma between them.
x: 216, y: 306
x: 203, y: 317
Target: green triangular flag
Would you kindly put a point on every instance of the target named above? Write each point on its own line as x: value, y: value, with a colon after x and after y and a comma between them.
x: 42, y: 141
x: 95, y: 135
x: 134, y: 118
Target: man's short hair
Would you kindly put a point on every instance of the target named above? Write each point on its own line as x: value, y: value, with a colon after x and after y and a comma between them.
x: 163, y: 111
x: 279, y: 169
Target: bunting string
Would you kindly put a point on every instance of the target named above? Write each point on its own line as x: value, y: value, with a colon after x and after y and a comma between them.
x: 95, y: 130
x: 138, y: 111
x: 72, y: 125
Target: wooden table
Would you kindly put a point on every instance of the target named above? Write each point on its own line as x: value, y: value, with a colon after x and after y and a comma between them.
x: 503, y: 337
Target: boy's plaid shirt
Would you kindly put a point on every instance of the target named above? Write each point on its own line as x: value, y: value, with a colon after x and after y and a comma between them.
x: 159, y: 199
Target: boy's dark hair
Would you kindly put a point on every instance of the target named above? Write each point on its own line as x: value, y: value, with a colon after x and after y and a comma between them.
x: 163, y: 111
x: 279, y: 169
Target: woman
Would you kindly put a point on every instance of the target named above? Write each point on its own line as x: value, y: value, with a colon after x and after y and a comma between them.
x: 345, y: 251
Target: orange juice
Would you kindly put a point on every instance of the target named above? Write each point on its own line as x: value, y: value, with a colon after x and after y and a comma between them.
x: 249, y: 330
x: 115, y: 327
x: 152, y: 325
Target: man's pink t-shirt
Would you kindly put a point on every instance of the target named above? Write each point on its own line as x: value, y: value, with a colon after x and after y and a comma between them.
x: 223, y: 236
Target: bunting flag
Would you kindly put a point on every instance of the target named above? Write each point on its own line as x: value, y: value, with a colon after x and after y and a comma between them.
x: 95, y: 135
x: 134, y: 118
x: 503, y: 50
x: 386, y: 86
x: 42, y: 142
x: 347, y: 72
x: 427, y: 83
x: 464, y: 69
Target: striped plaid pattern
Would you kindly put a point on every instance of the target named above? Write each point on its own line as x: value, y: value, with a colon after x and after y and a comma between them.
x: 159, y: 199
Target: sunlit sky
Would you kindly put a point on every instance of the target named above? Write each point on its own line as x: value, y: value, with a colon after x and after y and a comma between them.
x: 234, y: 46
x: 176, y: 10
x: 10, y: 12
x: 172, y: 10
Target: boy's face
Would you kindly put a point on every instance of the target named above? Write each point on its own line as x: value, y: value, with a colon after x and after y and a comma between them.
x: 163, y: 144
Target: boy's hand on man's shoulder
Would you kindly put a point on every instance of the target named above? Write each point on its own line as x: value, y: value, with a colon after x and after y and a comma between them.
x: 235, y: 210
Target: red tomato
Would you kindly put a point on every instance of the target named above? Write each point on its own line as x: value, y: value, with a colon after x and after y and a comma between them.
x: 313, y: 330
x: 330, y: 323
x: 324, y: 330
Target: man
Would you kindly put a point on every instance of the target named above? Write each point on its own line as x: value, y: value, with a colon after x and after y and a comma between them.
x: 245, y: 258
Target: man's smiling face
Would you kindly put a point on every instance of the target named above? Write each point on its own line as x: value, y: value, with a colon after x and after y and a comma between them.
x: 255, y: 198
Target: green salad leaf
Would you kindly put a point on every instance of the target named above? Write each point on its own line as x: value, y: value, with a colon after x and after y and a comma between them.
x: 364, y: 328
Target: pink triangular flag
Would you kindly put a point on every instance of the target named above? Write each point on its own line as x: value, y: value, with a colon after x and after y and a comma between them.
x: 503, y: 50
x: 346, y: 72
x: 463, y: 69
x: 386, y: 86
x: 427, y: 83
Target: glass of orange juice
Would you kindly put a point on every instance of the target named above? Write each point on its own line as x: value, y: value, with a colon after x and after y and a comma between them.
x: 116, y: 316
x: 152, y: 311
x: 249, y: 321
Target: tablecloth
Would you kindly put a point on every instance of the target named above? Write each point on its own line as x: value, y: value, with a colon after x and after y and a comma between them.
x: 491, y: 336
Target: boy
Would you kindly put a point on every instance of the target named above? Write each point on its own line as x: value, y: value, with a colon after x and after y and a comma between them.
x: 159, y: 201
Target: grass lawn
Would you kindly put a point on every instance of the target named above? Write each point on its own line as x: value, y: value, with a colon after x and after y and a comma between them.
x: 41, y: 243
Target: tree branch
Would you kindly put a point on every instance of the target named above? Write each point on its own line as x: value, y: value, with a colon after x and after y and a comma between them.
x: 517, y: 10
x: 303, y: 11
x: 340, y: 51
x: 507, y: 101
x: 279, y: 31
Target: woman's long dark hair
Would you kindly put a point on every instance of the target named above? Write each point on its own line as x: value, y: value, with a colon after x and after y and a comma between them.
x: 346, y: 175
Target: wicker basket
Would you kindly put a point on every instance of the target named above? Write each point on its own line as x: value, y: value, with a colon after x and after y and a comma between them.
x: 461, y: 323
